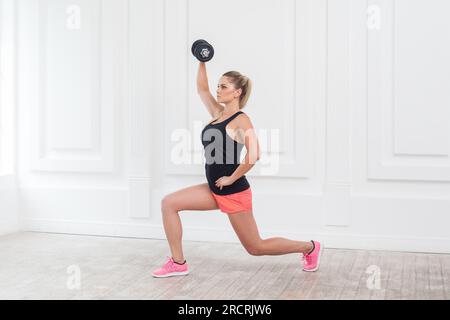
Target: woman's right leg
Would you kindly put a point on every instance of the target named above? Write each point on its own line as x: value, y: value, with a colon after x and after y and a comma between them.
x: 197, y: 197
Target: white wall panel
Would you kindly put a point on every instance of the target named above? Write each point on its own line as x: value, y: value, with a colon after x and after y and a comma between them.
x: 77, y: 74
x: 7, y: 87
x: 408, y: 96
x: 9, y: 196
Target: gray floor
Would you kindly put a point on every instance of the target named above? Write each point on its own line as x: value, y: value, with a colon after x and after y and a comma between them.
x: 56, y: 266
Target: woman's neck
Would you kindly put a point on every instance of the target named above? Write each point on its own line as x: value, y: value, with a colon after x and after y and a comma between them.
x: 231, y: 108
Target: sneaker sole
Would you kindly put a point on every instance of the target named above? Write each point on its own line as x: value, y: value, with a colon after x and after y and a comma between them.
x: 318, y: 260
x: 173, y: 274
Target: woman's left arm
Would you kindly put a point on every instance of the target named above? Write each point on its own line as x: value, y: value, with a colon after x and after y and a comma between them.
x: 247, y: 131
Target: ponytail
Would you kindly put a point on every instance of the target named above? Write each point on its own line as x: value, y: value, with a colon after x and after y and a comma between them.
x: 241, y: 82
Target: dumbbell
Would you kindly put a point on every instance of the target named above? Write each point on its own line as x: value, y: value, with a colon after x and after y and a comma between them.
x: 202, y: 50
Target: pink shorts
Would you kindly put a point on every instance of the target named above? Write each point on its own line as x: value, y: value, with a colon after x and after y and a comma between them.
x: 236, y: 202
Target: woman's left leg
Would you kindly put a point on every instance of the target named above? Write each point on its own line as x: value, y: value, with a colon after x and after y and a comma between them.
x: 244, y: 225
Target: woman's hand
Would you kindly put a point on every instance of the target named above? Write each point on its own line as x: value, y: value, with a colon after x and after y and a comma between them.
x: 224, y: 181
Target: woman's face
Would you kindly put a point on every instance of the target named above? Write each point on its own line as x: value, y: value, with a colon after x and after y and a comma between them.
x: 226, y: 91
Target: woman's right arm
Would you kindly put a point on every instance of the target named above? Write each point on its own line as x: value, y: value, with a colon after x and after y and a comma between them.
x: 214, y: 108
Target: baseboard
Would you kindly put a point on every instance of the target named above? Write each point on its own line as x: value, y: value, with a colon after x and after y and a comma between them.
x: 8, y: 228
x: 154, y: 231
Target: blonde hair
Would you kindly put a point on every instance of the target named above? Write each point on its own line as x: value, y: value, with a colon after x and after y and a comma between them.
x: 241, y: 82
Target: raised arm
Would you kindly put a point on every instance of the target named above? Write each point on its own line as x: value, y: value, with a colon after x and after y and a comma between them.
x: 214, y: 108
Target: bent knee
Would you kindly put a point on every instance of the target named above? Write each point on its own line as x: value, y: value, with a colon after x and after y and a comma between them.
x: 167, y: 203
x: 254, y: 250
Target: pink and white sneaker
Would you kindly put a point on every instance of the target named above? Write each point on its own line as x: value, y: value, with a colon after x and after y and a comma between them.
x: 312, y: 260
x: 171, y: 269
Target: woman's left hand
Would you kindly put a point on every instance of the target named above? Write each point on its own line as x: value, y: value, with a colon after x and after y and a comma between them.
x: 224, y: 181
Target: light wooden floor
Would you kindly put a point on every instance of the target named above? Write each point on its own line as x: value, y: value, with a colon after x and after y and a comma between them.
x: 38, y: 266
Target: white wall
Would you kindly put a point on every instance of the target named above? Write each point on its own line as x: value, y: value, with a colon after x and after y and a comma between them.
x: 358, y: 92
x: 9, y: 215
x: 9, y: 212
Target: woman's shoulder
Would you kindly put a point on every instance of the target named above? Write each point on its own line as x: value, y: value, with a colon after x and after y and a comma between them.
x: 243, y: 117
x: 244, y: 122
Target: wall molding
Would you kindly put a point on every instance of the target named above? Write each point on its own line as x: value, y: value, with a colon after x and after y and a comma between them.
x: 8, y: 86
x: 139, y: 80
x: 100, y: 156
x: 384, y: 163
x: 152, y: 231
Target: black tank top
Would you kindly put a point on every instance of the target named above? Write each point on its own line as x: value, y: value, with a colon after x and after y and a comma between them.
x: 222, y: 155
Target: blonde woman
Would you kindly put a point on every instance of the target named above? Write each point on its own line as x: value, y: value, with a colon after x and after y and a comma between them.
x: 227, y: 187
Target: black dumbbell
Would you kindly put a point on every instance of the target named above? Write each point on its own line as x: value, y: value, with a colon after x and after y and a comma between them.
x: 195, y: 44
x: 202, y: 50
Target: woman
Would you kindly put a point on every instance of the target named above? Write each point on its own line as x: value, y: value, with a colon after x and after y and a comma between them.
x: 227, y: 188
